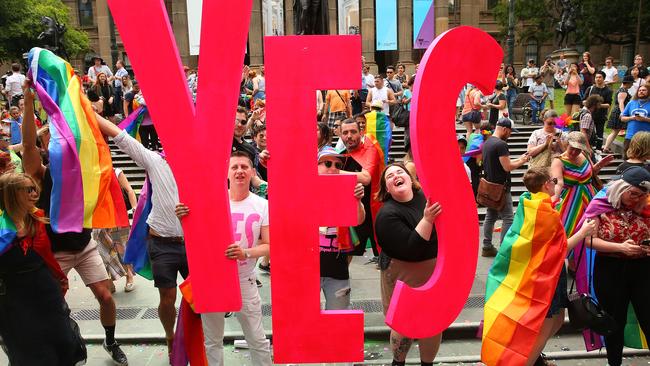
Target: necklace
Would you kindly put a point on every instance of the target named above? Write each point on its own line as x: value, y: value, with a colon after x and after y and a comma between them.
x: 644, y: 103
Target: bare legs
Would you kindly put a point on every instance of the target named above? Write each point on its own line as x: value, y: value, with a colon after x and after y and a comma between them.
x: 401, y: 345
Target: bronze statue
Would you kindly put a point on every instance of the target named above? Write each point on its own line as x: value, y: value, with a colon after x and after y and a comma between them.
x: 310, y: 17
x: 52, y: 36
x: 567, y: 23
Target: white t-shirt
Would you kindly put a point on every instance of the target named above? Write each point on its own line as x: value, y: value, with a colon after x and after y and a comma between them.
x: 368, y: 81
x: 609, y: 74
x: 248, y: 218
x: 526, y: 72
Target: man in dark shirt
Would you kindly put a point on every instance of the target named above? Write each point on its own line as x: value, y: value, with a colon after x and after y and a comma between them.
x: 497, y: 166
x: 600, y: 115
x: 238, y: 143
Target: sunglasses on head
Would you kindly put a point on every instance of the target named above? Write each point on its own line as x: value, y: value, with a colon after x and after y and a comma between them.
x: 328, y: 164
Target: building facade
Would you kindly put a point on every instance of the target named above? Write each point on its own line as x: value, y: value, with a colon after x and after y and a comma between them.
x: 275, y: 17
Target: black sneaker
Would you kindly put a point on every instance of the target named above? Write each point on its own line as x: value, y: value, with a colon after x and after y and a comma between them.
x: 489, y: 252
x: 259, y: 283
x: 118, y: 357
x: 265, y: 269
x: 228, y: 314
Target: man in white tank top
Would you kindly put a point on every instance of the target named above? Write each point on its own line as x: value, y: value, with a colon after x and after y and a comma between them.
x: 381, y: 93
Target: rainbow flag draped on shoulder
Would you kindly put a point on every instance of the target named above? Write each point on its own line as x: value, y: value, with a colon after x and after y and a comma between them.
x: 379, y: 131
x: 522, y: 281
x: 133, y: 121
x: 136, y: 247
x: 7, y: 232
x: 85, y: 191
x: 633, y: 336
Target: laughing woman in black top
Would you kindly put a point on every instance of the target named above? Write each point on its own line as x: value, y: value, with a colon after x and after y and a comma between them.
x: 409, y: 247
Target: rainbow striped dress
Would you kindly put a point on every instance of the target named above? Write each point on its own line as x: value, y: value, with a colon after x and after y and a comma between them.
x: 577, y: 193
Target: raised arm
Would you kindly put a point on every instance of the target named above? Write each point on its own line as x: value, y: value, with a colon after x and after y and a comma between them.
x: 32, y: 164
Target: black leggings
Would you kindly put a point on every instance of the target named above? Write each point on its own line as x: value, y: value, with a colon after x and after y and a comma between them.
x: 619, y: 282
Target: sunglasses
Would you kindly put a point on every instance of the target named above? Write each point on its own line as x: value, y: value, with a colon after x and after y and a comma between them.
x: 328, y: 164
x: 241, y: 121
x: 29, y: 189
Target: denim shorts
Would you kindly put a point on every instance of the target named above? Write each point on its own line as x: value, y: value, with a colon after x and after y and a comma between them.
x: 560, y: 298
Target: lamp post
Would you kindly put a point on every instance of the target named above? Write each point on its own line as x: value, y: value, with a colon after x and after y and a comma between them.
x: 510, y: 42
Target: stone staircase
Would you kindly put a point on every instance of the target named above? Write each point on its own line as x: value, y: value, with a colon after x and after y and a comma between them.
x: 517, y: 143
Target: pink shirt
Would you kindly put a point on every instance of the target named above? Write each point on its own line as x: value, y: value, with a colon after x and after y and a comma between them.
x: 573, y: 85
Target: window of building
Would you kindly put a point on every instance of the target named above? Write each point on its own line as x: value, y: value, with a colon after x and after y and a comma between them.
x: 454, y: 6
x: 532, y: 50
x: 348, y: 17
x: 491, y: 4
x: 273, y: 17
x: 627, y: 55
x: 86, y: 13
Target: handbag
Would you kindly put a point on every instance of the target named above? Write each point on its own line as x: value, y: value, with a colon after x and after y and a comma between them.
x: 491, y: 195
x: 400, y: 116
x: 542, y: 160
x: 595, y: 179
x: 584, y: 311
x: 80, y: 351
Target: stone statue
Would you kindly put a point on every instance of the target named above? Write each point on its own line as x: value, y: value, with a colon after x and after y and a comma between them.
x: 310, y: 17
x: 567, y: 23
x: 52, y: 36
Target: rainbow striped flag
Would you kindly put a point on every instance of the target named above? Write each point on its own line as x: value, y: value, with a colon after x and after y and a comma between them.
x: 522, y: 281
x: 85, y: 191
x: 7, y: 232
x: 188, y: 337
x: 136, y: 247
x: 132, y: 123
x: 379, y: 131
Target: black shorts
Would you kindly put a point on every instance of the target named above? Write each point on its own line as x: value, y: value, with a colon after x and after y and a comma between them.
x: 572, y: 99
x: 364, y: 232
x: 167, y: 259
x: 473, y: 116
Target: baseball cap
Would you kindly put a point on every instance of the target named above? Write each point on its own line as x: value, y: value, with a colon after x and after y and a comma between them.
x: 577, y: 141
x: 506, y: 122
x: 638, y: 177
x: 328, y: 151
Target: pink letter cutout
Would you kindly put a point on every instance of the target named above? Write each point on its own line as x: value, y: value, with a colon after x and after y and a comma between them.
x: 197, y: 139
x: 428, y: 310
x: 301, y: 200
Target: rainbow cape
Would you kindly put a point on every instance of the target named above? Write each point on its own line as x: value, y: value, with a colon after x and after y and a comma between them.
x: 132, y: 123
x: 85, y: 191
x: 522, y: 281
x: 7, y: 232
x: 136, y: 247
x: 475, y: 144
x: 633, y: 336
x: 188, y: 338
x: 380, y: 133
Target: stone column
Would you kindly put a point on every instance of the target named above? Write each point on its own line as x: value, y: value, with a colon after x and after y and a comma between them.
x: 333, y: 17
x: 104, y: 33
x: 441, y: 13
x: 469, y: 12
x: 288, y: 17
x: 256, y: 35
x: 367, y: 15
x: 405, y: 32
x: 178, y: 18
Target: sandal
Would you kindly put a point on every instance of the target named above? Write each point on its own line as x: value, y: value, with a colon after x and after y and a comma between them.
x: 130, y: 286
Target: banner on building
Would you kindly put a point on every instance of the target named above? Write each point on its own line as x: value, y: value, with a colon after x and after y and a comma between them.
x: 386, y: 25
x: 194, y: 8
x: 423, y: 23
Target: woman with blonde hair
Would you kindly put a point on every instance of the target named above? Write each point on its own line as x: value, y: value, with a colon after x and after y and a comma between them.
x: 34, y: 325
x: 637, y: 153
x: 573, y: 82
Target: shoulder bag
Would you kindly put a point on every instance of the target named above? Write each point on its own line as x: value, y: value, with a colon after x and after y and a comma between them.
x: 491, y: 195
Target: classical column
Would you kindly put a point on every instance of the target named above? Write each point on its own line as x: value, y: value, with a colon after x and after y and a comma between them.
x: 179, y: 26
x: 288, y: 17
x: 469, y: 12
x: 104, y: 33
x: 441, y: 13
x: 405, y: 32
x: 256, y: 35
x: 333, y: 17
x: 367, y: 9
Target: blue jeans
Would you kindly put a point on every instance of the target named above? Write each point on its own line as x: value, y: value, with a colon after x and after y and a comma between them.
x: 337, y: 293
x: 535, y: 106
x: 511, y: 96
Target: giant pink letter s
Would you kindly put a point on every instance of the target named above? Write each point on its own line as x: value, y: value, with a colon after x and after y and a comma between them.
x: 197, y: 139
x: 301, y: 200
x: 428, y: 310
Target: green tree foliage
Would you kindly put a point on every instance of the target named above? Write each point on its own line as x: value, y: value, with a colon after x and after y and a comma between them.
x: 20, y: 22
x: 598, y: 20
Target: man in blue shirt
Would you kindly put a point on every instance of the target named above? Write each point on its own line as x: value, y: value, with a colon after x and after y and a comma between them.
x: 637, y: 115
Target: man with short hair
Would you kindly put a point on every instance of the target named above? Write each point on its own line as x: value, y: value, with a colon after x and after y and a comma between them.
x: 238, y: 142
x: 638, y: 62
x: 337, y: 106
x: 259, y: 143
x: 636, y: 114
x: 497, y: 166
x: 601, y: 113
x: 14, y: 83
x: 529, y: 73
x: 99, y: 67
x: 250, y: 219
x: 587, y: 124
x: 381, y: 93
x: 367, y: 82
x: 611, y: 73
x: 562, y: 63
x: 119, y: 74
x: 538, y: 93
x: 363, y: 161
x: 393, y: 83
x: 547, y: 71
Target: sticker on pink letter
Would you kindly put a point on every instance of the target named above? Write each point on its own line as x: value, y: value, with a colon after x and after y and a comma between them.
x: 300, y: 200
x: 428, y: 310
x: 197, y: 139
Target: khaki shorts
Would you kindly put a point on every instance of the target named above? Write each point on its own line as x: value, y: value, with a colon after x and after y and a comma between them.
x: 87, y: 263
x: 414, y: 274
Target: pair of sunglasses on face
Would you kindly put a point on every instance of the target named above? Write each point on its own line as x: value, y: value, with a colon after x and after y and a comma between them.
x: 328, y: 164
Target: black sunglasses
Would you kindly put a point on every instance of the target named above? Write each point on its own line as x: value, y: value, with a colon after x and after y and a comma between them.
x: 29, y: 189
x: 328, y: 164
x: 242, y: 121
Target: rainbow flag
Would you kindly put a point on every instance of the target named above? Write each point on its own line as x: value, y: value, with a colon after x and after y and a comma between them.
x: 379, y: 131
x: 633, y: 336
x: 132, y: 123
x: 136, y: 247
x: 188, y: 338
x: 85, y: 191
x: 7, y: 232
x: 522, y: 281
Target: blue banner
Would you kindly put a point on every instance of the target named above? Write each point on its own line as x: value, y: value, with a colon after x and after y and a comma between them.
x: 386, y: 25
x: 423, y: 23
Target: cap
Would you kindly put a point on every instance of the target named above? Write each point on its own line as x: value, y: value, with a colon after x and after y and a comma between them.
x: 97, y: 58
x: 506, y: 122
x: 531, y: 61
x: 577, y: 141
x: 377, y: 104
x: 328, y: 151
x: 628, y: 79
x: 638, y: 177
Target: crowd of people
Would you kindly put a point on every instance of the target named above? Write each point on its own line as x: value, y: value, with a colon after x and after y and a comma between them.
x: 395, y: 218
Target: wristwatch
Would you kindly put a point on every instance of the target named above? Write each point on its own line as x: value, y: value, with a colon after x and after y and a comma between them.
x: 247, y: 254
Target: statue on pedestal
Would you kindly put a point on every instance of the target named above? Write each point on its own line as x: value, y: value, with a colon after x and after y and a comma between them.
x: 52, y: 36
x: 310, y: 17
x: 567, y: 23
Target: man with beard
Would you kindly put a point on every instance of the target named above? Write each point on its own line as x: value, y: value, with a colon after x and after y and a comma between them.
x: 636, y: 114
